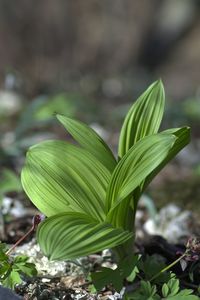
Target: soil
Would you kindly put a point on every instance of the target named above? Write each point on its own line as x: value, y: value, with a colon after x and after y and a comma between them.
x: 75, y: 286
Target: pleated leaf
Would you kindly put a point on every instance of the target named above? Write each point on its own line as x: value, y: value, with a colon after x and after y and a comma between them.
x: 60, y: 177
x: 182, y: 139
x: 136, y: 165
x: 89, y: 140
x: 143, y: 118
x: 71, y: 235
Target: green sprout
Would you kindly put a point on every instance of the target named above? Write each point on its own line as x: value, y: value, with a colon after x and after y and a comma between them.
x: 90, y: 197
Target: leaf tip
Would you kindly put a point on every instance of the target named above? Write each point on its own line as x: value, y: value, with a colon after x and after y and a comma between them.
x: 59, y: 116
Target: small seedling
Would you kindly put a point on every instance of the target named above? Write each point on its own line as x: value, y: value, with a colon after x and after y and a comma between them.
x: 13, y: 268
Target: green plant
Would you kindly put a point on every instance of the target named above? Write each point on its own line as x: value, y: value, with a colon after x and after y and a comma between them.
x: 148, y: 278
x: 89, y: 197
x: 13, y: 268
x: 169, y: 291
x: 127, y: 268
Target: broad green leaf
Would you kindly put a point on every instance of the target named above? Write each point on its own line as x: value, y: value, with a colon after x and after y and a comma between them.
x: 71, y: 235
x: 130, y: 172
x: 136, y: 165
x: 143, y: 118
x: 89, y: 140
x: 182, y: 139
x: 59, y: 177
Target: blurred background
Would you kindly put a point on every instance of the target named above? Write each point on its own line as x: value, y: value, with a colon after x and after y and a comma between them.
x: 90, y: 60
x: 100, y: 48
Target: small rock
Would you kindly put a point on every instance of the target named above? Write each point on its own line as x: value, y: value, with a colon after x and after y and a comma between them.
x: 171, y: 223
x: 43, y: 265
x: 13, y: 207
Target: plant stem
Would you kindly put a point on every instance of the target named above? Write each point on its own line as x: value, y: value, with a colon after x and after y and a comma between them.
x: 36, y: 220
x: 20, y: 240
x: 168, y: 267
